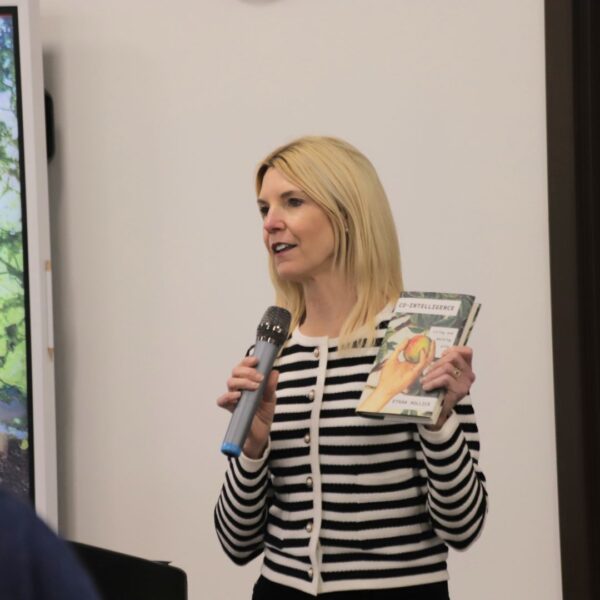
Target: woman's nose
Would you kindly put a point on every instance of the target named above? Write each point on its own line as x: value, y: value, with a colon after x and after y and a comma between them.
x: 273, y: 220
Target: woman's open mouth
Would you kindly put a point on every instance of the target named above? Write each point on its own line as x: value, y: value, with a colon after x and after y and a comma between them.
x: 281, y: 248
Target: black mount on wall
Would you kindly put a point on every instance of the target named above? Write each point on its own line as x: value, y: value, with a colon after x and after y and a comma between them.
x: 50, y: 138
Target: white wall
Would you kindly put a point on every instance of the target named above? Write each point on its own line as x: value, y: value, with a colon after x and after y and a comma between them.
x: 162, y: 111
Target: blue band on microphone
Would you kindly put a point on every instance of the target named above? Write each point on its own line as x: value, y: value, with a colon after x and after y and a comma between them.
x: 231, y: 449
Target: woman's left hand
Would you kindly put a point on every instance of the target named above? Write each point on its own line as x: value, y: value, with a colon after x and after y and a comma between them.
x: 453, y: 372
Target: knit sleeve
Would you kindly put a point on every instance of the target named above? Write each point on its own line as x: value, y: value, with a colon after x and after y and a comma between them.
x: 456, y: 489
x: 241, y: 511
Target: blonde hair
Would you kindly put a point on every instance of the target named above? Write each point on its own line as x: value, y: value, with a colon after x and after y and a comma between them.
x: 343, y: 182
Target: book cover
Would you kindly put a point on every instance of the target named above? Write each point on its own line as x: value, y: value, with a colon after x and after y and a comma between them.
x: 422, y: 326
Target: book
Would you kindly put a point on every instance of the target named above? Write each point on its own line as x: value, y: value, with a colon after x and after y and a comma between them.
x: 422, y: 326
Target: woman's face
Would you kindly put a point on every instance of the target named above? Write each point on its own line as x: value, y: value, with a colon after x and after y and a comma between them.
x: 296, y: 231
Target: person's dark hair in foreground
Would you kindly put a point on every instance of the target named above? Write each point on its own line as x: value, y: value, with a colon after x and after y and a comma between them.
x: 35, y: 564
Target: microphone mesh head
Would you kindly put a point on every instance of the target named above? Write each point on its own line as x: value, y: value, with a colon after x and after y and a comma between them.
x: 274, y: 325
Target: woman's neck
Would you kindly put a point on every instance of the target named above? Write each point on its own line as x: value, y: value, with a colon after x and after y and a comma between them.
x: 328, y: 304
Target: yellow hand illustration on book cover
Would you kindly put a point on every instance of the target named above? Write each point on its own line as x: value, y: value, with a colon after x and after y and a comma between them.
x: 398, y: 375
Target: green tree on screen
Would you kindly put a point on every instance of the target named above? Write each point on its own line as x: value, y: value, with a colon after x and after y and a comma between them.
x: 13, y: 374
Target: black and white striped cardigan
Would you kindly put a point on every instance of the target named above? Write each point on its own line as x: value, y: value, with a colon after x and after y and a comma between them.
x: 344, y: 502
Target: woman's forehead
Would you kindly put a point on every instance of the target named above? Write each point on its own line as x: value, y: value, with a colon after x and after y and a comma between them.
x: 274, y: 183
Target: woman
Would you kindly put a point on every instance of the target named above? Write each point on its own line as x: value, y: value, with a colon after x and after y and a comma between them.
x: 342, y: 505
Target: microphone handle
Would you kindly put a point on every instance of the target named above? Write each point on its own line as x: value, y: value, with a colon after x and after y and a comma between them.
x: 244, y: 412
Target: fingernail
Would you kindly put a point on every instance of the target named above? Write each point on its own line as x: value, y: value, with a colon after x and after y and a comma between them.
x: 260, y: 376
x: 255, y: 384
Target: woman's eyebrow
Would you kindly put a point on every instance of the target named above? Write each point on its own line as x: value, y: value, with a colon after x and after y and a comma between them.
x: 292, y: 193
x: 285, y: 195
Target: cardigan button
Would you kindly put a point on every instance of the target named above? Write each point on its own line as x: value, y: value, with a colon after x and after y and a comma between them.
x: 310, y: 573
x: 316, y: 352
x: 307, y: 438
x: 309, y: 482
x: 309, y: 527
x: 311, y: 395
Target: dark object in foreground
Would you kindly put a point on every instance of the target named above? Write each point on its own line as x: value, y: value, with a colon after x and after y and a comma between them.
x: 123, y: 577
x: 35, y: 564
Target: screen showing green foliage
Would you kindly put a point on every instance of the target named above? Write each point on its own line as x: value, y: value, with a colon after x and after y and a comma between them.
x: 14, y: 401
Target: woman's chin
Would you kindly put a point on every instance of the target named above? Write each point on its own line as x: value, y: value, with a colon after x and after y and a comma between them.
x: 290, y: 275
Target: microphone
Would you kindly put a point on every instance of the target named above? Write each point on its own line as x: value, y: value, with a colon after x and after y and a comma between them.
x: 271, y: 333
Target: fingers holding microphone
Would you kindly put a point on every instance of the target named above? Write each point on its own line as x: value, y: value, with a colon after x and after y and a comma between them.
x: 251, y: 387
x: 244, y: 376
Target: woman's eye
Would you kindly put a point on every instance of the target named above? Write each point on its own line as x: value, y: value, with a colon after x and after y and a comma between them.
x: 263, y: 210
x: 295, y: 202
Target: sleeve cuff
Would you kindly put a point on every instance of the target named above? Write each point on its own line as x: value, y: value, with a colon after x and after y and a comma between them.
x: 444, y: 434
x: 253, y: 465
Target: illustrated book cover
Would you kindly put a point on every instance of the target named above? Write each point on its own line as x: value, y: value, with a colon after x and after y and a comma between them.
x: 422, y: 326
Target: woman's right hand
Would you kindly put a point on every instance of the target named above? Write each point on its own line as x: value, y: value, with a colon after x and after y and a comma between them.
x: 244, y: 376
